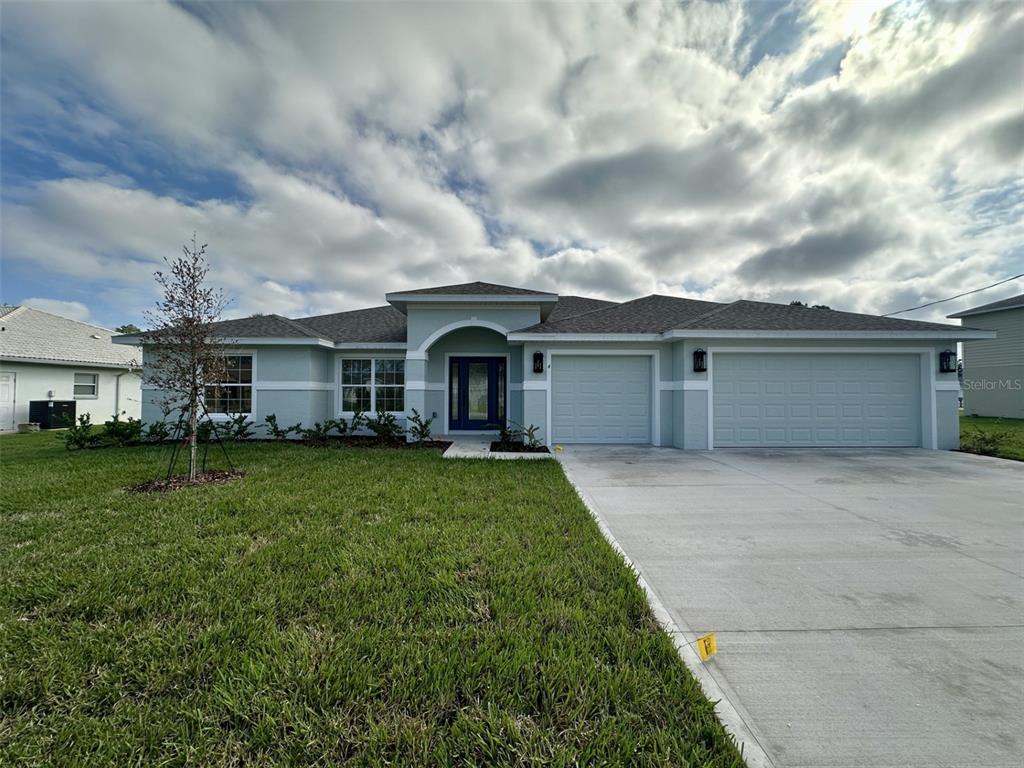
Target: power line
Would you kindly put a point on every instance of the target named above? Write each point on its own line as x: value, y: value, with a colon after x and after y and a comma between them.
x: 959, y: 295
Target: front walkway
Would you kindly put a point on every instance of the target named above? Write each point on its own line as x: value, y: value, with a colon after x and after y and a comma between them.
x: 479, y: 447
x: 869, y: 605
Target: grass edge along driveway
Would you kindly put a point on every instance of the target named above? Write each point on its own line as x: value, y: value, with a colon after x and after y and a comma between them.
x: 341, y: 605
x: 1011, y: 448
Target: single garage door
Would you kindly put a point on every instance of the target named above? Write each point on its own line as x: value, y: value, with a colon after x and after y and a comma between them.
x: 601, y: 399
x: 816, y: 400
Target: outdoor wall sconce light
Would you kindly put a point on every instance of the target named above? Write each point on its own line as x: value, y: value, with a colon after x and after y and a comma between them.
x: 538, y: 362
x: 947, y: 361
x: 700, y: 361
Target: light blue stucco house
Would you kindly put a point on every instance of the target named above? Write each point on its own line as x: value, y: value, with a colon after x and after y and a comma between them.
x: 658, y: 370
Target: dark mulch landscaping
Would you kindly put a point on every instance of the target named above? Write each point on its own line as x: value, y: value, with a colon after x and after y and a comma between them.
x: 517, y: 448
x: 210, y: 477
x: 376, y: 442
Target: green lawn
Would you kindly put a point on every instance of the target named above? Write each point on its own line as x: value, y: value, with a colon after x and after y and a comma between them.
x: 1011, y: 448
x: 374, y: 606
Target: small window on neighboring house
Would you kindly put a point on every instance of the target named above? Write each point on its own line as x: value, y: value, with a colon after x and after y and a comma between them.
x: 372, y: 384
x: 87, y: 384
x: 233, y: 394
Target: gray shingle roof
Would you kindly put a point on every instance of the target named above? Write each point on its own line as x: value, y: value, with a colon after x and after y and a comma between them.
x: 383, y: 324
x: 261, y: 326
x: 579, y: 314
x: 31, y: 334
x: 744, y: 315
x: 378, y: 324
x: 473, y: 289
x: 996, y: 306
x: 651, y: 314
x: 570, y: 306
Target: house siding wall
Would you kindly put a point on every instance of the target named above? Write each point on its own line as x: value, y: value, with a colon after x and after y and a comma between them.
x: 34, y: 381
x: 994, y: 368
x: 296, y: 384
x: 426, y: 320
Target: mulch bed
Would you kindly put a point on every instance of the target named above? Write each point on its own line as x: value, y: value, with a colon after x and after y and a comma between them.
x: 210, y: 477
x: 374, y: 442
x: 517, y: 448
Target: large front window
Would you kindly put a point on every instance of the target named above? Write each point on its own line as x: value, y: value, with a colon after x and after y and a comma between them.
x: 372, y: 384
x: 233, y: 393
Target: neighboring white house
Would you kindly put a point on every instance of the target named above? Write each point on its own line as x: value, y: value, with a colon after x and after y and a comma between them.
x: 994, y: 368
x: 50, y: 358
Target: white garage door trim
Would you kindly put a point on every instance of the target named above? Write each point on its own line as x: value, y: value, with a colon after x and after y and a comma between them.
x: 655, y: 356
x: 929, y: 416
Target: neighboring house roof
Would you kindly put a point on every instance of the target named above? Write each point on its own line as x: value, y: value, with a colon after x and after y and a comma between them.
x: 1014, y: 302
x: 36, y: 336
x: 473, y: 289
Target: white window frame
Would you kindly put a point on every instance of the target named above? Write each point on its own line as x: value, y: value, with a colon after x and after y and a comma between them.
x: 95, y: 385
x: 372, y: 384
x: 220, y: 416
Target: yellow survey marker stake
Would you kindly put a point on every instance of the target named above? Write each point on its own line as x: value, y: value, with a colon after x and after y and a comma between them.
x: 707, y: 646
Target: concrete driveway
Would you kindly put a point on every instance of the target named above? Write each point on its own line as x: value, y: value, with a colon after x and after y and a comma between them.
x: 869, y: 605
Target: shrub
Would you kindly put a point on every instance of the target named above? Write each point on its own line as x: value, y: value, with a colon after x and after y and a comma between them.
x: 508, y: 434
x: 984, y: 443
x: 338, y: 425
x: 121, y: 433
x: 278, y: 432
x: 359, y: 421
x: 529, y: 436
x: 205, y: 431
x: 80, y: 435
x: 237, y: 428
x: 318, y: 434
x: 420, y: 429
x: 385, y: 426
x: 157, y: 432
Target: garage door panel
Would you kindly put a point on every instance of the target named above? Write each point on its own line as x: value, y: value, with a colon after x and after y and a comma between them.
x: 824, y: 400
x: 601, y: 399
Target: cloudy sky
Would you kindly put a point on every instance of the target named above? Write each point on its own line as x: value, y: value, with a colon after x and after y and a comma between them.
x: 864, y: 155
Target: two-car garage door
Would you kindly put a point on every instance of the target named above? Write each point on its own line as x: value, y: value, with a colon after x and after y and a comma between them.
x: 758, y: 399
x: 822, y: 400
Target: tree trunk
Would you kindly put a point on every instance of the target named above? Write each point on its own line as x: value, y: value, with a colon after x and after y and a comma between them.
x: 193, y: 425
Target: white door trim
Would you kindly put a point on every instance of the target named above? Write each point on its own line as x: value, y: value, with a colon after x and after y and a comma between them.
x: 14, y: 401
x: 929, y: 430
x: 654, y: 354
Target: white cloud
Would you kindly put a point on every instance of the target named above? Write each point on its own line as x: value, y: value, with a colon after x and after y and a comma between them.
x: 872, y: 158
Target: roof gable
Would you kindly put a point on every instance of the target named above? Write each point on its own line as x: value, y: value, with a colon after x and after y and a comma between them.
x: 473, y: 289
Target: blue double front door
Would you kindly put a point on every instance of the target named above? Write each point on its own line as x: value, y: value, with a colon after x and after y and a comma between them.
x: 476, y: 392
